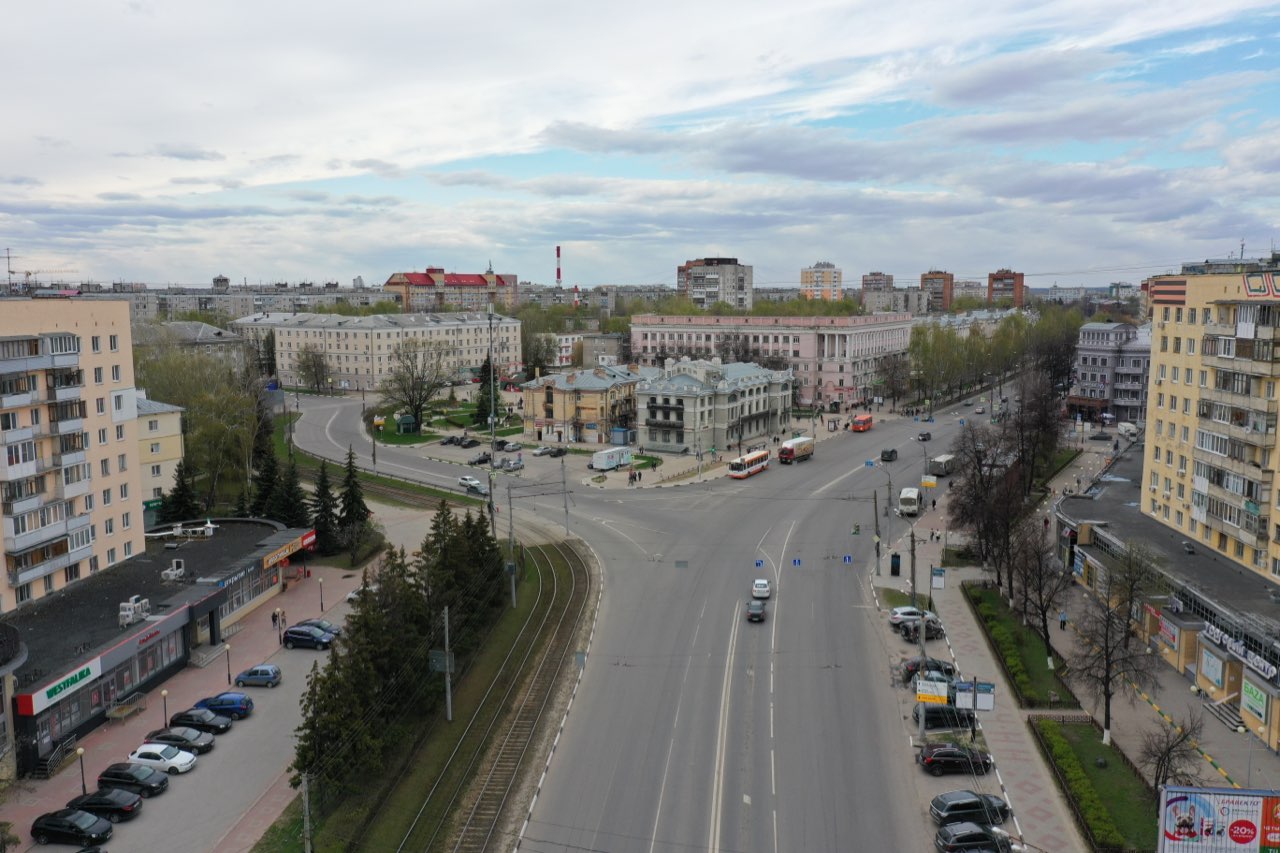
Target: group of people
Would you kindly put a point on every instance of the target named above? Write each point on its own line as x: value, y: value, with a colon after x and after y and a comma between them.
x: 634, y: 477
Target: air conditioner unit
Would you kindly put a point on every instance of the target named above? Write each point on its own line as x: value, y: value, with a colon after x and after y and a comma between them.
x: 1182, y: 472
x: 1152, y: 489
x: 1159, y: 381
x: 1165, y: 495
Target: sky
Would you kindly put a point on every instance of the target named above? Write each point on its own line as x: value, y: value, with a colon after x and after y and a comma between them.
x: 1078, y: 141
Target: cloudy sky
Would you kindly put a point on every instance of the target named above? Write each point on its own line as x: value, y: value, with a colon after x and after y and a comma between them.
x: 1080, y: 141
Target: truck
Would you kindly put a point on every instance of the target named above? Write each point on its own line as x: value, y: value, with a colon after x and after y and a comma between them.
x: 796, y: 449
x: 608, y: 460
x: 909, y: 501
x: 942, y: 466
x: 1128, y: 430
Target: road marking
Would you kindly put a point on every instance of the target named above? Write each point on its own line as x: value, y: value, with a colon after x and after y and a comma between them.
x: 722, y: 732
x: 662, y: 791
x: 604, y: 522
x: 773, y: 774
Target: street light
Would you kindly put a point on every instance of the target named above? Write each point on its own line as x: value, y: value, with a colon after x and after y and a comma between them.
x: 1262, y: 734
x: 321, y: 596
x: 279, y: 627
x: 164, y: 697
x: 84, y: 789
x: 228, y: 663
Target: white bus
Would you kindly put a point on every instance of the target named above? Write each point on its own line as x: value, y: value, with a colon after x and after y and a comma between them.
x: 909, y: 501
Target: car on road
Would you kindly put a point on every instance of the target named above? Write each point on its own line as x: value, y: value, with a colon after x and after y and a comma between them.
x: 70, y: 826
x: 183, y: 737
x: 755, y: 610
x: 512, y: 465
x: 307, y: 637
x: 973, y: 836
x: 323, y: 625
x: 262, y: 675
x: 913, y: 665
x: 469, y: 482
x: 228, y: 704
x: 760, y: 588
x: 889, y: 454
x: 202, y: 719
x: 468, y: 443
x: 899, y: 614
x: 451, y: 439
x: 543, y: 450
x: 481, y: 458
x: 981, y: 410
x: 143, y: 781
x: 114, y: 804
x: 939, y: 758
x: 361, y: 590
x: 557, y: 452
x: 512, y: 447
x: 925, y: 436
x: 164, y: 756
x: 942, y: 716
x: 968, y: 402
x: 957, y: 806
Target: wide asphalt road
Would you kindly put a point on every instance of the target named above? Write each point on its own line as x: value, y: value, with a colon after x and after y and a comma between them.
x: 693, y: 729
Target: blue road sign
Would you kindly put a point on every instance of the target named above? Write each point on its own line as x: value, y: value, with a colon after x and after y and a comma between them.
x: 759, y: 564
x: 848, y: 558
x: 796, y: 562
x: 870, y: 463
x: 962, y: 422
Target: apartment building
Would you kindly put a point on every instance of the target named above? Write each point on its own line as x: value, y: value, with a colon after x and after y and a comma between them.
x: 1112, y: 362
x: 1006, y: 284
x: 823, y: 280
x: 435, y: 290
x: 1209, y: 469
x: 72, y: 498
x: 148, y: 305
x: 358, y: 350
x: 941, y: 289
x: 834, y: 360
x: 160, y: 449
x: 876, y: 282
x: 706, y: 281
x: 227, y: 347
x: 582, y: 405
x: 907, y: 300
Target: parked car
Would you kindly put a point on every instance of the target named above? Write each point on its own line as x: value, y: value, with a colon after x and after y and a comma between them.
x: 942, y: 716
x: 913, y: 665
x: 143, y: 781
x: 981, y: 410
x: 70, y: 826
x: 451, y: 439
x: 939, y: 758
x: 202, y: 719
x: 898, y: 614
x: 542, y: 451
x: 307, y: 637
x: 164, y: 756
x: 512, y: 447
x: 972, y: 836
x: 324, y: 625
x: 469, y: 443
x: 557, y: 452
x: 228, y: 704
x: 958, y: 806
x: 262, y: 675
x: 968, y: 402
x: 360, y: 590
x: 513, y: 465
x: 910, y: 629
x: 755, y: 610
x: 183, y: 737
x: 760, y: 588
x: 481, y: 458
x: 889, y: 454
x: 114, y: 804
x: 925, y: 436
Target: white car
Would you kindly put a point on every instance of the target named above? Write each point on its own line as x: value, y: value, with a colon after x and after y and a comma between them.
x: 542, y: 451
x: 900, y: 614
x: 511, y: 447
x: 163, y: 756
x: 360, y: 590
x: 760, y: 589
x: 469, y: 483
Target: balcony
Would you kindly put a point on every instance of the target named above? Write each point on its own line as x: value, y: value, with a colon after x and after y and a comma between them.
x: 65, y: 393
x: 21, y: 505
x: 66, y: 491
x: 1250, y: 470
x: 1241, y: 364
x: 19, y: 399
x: 17, y: 436
x: 33, y: 538
x: 67, y: 426
x: 61, y: 459
x: 1243, y: 401
x: 659, y: 422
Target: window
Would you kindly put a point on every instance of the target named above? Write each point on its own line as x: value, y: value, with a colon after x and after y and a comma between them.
x: 155, y: 448
x: 109, y: 526
x: 48, y: 584
x: 117, y: 401
x: 88, y: 503
x: 105, y: 466
x: 106, y: 497
x: 95, y: 344
x: 155, y: 470
x: 122, y: 462
x: 24, y: 593
x: 114, y: 340
x: 1191, y: 316
x: 1191, y: 346
x: 111, y: 556
x: 128, y: 549
x: 124, y: 491
x: 97, y: 375
x: 125, y: 521
x: 101, y: 404
x: 102, y: 436
x: 153, y: 425
x: 115, y: 373
x: 71, y: 573
x: 157, y: 492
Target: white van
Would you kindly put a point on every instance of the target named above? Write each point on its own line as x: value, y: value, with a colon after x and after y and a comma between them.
x: 909, y: 501
x: 1128, y: 430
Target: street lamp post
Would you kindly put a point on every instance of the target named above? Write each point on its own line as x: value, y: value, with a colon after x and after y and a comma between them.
x: 164, y: 697
x: 228, y: 663
x: 321, y: 595
x: 1262, y: 734
x: 279, y: 627
x: 84, y: 789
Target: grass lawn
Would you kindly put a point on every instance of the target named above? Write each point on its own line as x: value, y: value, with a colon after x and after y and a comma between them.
x: 393, y: 437
x: 1029, y: 648
x: 897, y: 598
x: 1061, y: 459
x: 959, y: 555
x: 1127, y: 798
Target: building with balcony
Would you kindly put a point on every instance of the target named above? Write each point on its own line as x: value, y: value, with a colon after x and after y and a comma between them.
x: 359, y: 351
x: 437, y: 291
x: 941, y: 289
x: 706, y: 281
x: 160, y: 449
x: 696, y: 406
x: 72, y: 499
x: 1209, y: 469
x: 835, y: 361
x: 226, y: 346
x: 1110, y: 384
x: 151, y: 304
x: 823, y: 280
x: 582, y: 405
x: 903, y: 300
x: 1005, y: 285
x: 876, y: 282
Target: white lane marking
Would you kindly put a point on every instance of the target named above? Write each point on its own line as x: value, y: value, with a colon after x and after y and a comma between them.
x: 773, y: 775
x: 662, y: 791
x: 722, y: 733
x: 609, y: 524
x: 777, y: 575
x: 775, y: 831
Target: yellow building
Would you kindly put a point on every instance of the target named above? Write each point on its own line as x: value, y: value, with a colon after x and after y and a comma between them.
x: 582, y: 405
x: 160, y: 449
x: 1210, y: 454
x: 72, y: 499
x: 823, y: 280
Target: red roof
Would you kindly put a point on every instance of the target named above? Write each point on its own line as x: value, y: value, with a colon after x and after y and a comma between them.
x: 436, y: 279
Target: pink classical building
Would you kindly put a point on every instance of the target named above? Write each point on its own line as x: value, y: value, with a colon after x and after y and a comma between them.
x: 834, y: 359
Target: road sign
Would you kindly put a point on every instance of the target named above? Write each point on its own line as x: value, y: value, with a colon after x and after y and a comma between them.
x: 962, y: 422
x: 986, y: 695
x: 796, y: 562
x: 932, y: 692
x: 938, y: 577
x: 928, y: 481
x: 759, y: 564
x: 848, y: 558
x: 964, y: 694
x: 870, y: 463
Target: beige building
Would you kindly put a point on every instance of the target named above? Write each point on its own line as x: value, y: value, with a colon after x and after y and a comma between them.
x: 905, y: 300
x: 358, y: 350
x: 194, y: 336
x: 1211, y: 453
x: 71, y: 489
x: 437, y: 290
x: 823, y: 280
x: 160, y: 449
x: 582, y: 405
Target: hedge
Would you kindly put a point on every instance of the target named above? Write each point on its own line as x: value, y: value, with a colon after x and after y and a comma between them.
x: 1105, y: 833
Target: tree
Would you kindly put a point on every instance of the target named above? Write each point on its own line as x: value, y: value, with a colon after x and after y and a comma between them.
x: 266, y: 353
x: 484, y: 391
x: 288, y: 503
x: 987, y: 496
x: 242, y: 505
x: 1034, y: 424
x: 1042, y: 577
x: 1169, y: 751
x: 418, y: 370
x: 895, y: 377
x: 353, y: 518
x: 539, y: 352
x: 324, y: 513
x: 7, y: 837
x: 313, y: 367
x: 181, y: 504
x: 265, y: 481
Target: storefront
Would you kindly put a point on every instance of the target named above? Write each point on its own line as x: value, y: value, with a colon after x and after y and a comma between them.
x: 1176, y: 638
x: 260, y: 577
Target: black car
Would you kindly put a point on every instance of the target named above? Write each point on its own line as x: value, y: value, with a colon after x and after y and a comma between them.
x: 141, y: 780
x: 70, y: 826
x: 557, y: 452
x: 910, y: 629
x: 481, y: 458
x: 183, y: 737
x: 452, y: 439
x: 469, y: 443
x: 971, y: 836
x: 307, y: 637
x: 324, y: 625
x: 958, y: 806
x: 889, y: 454
x: 914, y: 665
x: 115, y: 804
x: 755, y: 610
x: 942, y: 716
x: 202, y: 719
x: 939, y: 758
x: 925, y: 436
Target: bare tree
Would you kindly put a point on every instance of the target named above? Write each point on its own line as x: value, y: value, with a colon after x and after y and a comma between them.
x: 313, y: 367
x: 419, y: 369
x: 895, y: 376
x: 1041, y: 575
x: 1034, y: 424
x: 987, y: 498
x: 1169, y: 751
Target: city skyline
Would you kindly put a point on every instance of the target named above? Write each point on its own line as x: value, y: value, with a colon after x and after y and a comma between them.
x: 1079, y: 143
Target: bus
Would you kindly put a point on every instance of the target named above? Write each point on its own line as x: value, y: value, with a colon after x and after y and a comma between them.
x: 861, y: 423
x: 909, y: 501
x: 748, y: 464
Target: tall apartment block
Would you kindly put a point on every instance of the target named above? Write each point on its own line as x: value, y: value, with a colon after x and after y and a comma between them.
x: 1211, y: 454
x: 72, y: 503
x: 706, y: 281
x: 877, y: 282
x: 823, y: 280
x: 1005, y: 284
x: 941, y: 289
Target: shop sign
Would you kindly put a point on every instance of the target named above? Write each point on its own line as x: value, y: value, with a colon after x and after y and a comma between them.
x: 1209, y: 820
x: 1254, y: 661
x: 1211, y: 667
x: 1169, y: 632
x: 1253, y: 699
x: 279, y: 554
x: 1151, y: 611
x: 67, y: 684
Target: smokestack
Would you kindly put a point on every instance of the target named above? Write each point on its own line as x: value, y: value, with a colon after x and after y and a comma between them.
x: 557, y: 266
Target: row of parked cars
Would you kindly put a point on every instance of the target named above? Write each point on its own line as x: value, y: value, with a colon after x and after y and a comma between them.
x: 89, y: 819
x: 966, y: 819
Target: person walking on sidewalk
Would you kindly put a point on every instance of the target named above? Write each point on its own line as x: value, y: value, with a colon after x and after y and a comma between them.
x: 275, y: 619
x: 1062, y: 620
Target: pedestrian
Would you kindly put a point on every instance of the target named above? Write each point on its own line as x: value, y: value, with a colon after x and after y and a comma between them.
x: 639, y: 476
x: 935, y: 503
x: 1062, y: 620
x: 283, y: 619
x: 275, y: 619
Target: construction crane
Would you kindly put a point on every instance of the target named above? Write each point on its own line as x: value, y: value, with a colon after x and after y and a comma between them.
x: 28, y: 275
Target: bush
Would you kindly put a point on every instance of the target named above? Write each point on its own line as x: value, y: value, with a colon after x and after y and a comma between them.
x: 1103, y: 828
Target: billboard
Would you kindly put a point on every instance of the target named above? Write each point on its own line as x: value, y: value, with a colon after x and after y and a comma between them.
x: 1210, y: 820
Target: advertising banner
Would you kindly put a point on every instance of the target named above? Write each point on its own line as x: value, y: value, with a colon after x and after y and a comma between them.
x: 1169, y: 632
x: 1211, y: 667
x: 1217, y: 820
x: 1253, y: 699
x: 934, y: 692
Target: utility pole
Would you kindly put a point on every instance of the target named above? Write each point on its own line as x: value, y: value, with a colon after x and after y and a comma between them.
x: 564, y: 491
x: 306, y: 813
x: 913, y: 568
x: 923, y: 623
x: 511, y: 543
x: 448, y: 682
x: 875, y: 512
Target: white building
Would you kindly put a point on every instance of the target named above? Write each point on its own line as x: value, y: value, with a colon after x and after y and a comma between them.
x: 699, y: 406
x: 706, y: 281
